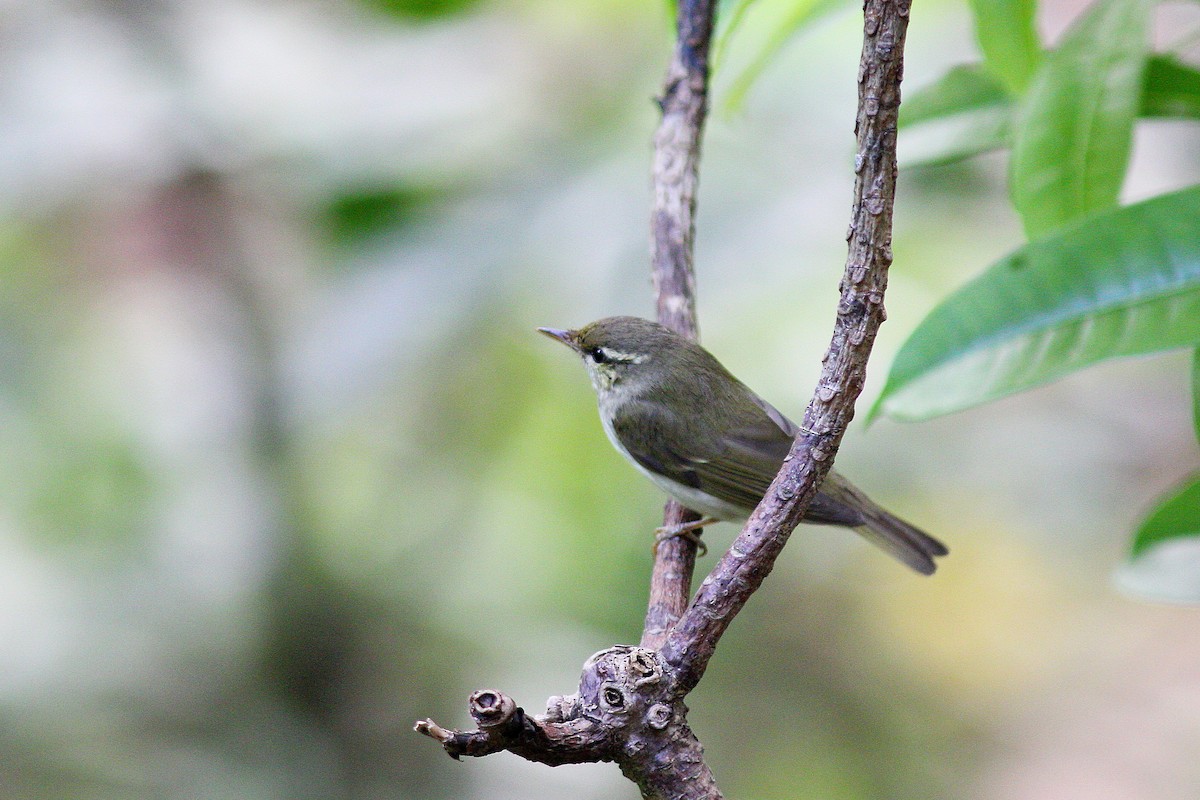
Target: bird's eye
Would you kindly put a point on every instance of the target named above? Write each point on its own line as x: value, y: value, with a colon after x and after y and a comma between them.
x: 598, y: 355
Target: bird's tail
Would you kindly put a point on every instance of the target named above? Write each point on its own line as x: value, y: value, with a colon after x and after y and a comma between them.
x: 907, y: 543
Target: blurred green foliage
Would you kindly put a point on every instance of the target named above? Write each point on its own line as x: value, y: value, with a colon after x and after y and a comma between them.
x: 356, y: 217
x: 419, y: 10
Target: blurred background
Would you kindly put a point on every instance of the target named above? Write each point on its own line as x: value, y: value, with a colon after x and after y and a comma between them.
x: 285, y: 467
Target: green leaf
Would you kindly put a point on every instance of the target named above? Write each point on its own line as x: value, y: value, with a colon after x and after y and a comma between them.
x: 1177, y: 515
x: 1008, y: 39
x: 781, y: 19
x: 363, y: 212
x: 730, y: 16
x: 964, y: 88
x: 1164, y: 559
x: 955, y: 138
x: 1196, y: 392
x: 1075, y: 126
x: 1123, y: 282
x: 419, y: 10
x: 966, y: 112
x: 1170, y: 89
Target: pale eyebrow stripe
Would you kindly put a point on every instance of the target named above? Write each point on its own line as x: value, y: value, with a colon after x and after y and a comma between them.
x: 616, y: 355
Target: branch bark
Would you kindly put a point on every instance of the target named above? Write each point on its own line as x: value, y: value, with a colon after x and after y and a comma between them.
x: 676, y: 171
x: 629, y: 707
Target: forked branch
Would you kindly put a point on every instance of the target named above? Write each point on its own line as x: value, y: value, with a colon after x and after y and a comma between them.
x: 629, y: 707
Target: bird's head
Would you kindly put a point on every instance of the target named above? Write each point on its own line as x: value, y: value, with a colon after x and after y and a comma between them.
x: 621, y: 352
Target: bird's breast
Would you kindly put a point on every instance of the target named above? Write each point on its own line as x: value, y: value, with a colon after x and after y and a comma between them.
x: 690, y: 496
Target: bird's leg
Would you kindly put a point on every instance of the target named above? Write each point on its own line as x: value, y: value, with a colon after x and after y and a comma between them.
x: 688, y: 530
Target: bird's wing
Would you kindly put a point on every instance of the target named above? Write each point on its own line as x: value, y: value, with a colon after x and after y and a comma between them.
x: 672, y: 446
x: 735, y: 465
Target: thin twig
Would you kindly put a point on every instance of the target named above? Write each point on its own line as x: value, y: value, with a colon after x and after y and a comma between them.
x: 684, y: 104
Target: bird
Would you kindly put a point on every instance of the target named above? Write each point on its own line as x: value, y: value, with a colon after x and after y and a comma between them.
x: 707, y: 440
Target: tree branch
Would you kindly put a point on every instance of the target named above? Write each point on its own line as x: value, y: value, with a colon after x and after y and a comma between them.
x: 629, y: 707
x: 684, y: 104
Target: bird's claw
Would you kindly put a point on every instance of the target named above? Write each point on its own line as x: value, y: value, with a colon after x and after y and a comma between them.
x: 687, y: 530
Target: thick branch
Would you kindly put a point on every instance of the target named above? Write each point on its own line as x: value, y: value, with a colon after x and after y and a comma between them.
x: 684, y: 105
x: 860, y: 312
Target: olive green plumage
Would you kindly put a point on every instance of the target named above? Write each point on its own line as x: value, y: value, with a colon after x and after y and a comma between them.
x: 706, y: 439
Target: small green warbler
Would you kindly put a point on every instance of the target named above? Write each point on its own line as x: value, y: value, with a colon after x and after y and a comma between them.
x: 707, y: 440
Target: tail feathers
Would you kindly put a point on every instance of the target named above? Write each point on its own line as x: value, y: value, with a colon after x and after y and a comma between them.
x: 907, y: 543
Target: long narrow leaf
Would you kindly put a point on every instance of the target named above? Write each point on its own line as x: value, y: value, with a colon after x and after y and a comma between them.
x: 1196, y: 392
x: 785, y: 18
x: 955, y: 138
x: 1123, y: 282
x: 1171, y: 89
x: 964, y: 88
x: 964, y: 113
x: 1164, y: 560
x: 1177, y: 515
x: 1075, y: 127
x: 972, y: 113
x: 1009, y: 41
x: 730, y: 15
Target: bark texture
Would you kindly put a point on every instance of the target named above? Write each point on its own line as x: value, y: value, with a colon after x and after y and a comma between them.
x: 676, y: 171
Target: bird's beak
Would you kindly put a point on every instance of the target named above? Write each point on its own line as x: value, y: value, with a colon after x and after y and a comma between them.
x: 569, y: 338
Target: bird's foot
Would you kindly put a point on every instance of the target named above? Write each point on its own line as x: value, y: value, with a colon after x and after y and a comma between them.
x: 687, y: 530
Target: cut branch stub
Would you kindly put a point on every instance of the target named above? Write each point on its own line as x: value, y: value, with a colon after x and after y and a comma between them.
x: 626, y: 711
